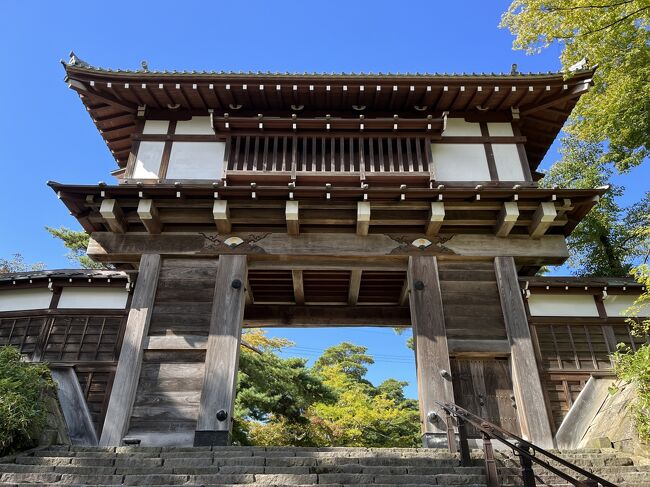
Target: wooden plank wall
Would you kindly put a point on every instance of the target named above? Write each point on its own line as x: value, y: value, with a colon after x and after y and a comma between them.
x: 568, y: 353
x: 470, y: 300
x: 88, y: 341
x: 167, y: 399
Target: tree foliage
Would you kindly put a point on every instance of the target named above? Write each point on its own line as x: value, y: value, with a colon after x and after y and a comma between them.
x: 76, y: 242
x: 354, y: 413
x: 615, y: 35
x: 17, y: 264
x: 23, y: 408
x: 610, y: 239
x: 634, y: 366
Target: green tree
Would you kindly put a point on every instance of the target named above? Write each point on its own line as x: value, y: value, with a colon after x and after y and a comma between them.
x: 23, y: 408
x: 76, y: 242
x: 615, y: 35
x: 360, y: 414
x: 634, y: 366
x: 272, y: 389
x: 17, y: 264
x: 609, y: 241
x: 351, y: 359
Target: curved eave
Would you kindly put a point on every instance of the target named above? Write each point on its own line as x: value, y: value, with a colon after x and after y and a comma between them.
x: 545, y: 100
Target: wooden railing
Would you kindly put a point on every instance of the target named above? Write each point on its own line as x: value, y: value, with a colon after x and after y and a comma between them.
x: 296, y: 155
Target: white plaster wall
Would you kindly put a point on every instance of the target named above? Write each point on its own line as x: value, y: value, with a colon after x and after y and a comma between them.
x: 93, y: 297
x: 506, y: 158
x: 616, y: 304
x: 155, y: 127
x: 498, y: 129
x: 148, y: 160
x: 196, y: 160
x: 460, y: 162
x: 194, y: 126
x: 20, y: 299
x: 459, y: 127
x: 562, y: 305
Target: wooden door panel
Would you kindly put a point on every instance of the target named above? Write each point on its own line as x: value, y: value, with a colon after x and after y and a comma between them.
x: 484, y: 387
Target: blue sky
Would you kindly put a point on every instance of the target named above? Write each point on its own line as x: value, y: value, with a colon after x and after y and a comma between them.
x: 45, y: 134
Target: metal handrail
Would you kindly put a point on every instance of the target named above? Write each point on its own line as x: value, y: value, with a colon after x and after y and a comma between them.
x: 519, y: 446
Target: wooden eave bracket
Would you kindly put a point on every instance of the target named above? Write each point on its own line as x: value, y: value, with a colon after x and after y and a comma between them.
x: 293, y: 218
x: 542, y: 219
x: 363, y: 217
x: 298, y: 286
x: 221, y: 215
x: 148, y: 213
x: 355, y: 286
x: 508, y: 216
x: 113, y: 215
x: 436, y: 218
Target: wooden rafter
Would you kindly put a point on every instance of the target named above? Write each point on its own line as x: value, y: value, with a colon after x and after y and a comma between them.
x: 298, y: 286
x: 542, y: 219
x: 355, y: 286
x: 507, y: 219
x: 112, y: 214
x: 293, y: 218
x: 148, y: 213
x: 363, y: 217
x: 221, y: 215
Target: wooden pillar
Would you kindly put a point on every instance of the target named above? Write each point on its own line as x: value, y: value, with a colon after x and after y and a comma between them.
x: 529, y: 393
x: 432, y: 355
x: 214, y: 423
x: 127, y: 373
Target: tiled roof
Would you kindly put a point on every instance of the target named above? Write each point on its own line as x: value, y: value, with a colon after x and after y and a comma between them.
x: 64, y: 274
x: 76, y: 62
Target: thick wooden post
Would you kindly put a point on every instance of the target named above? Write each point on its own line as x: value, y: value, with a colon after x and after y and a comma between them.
x: 127, y: 373
x: 214, y: 423
x: 529, y: 393
x: 432, y: 354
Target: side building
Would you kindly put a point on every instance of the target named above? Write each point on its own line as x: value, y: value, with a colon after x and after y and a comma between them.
x: 247, y: 200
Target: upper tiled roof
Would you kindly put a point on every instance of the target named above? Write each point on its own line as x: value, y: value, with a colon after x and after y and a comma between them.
x: 78, y: 63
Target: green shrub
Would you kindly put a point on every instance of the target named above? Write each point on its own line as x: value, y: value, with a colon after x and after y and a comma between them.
x: 634, y: 367
x: 24, y: 387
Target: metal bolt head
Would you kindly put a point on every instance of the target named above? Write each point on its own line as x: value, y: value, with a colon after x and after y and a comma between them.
x: 222, y: 415
x: 236, y: 284
x: 418, y: 285
x: 433, y: 417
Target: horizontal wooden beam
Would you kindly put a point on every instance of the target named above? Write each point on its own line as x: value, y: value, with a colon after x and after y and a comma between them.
x: 112, y: 247
x: 260, y: 315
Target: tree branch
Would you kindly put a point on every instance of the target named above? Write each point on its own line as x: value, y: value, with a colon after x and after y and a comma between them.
x: 579, y: 7
x: 618, y: 21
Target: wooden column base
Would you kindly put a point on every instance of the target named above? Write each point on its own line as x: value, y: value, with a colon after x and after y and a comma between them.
x: 212, y: 438
x: 434, y: 440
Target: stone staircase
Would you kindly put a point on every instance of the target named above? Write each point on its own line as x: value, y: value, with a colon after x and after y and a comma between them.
x: 280, y: 466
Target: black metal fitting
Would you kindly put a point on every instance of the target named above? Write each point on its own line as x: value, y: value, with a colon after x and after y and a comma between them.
x: 236, y: 284
x: 222, y: 415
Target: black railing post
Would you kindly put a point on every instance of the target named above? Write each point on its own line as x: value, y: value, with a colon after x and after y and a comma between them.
x: 490, y: 463
x: 527, y: 474
x: 465, y: 459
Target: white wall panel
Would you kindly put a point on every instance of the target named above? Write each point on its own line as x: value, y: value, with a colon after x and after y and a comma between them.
x: 506, y: 158
x: 93, y: 297
x: 459, y: 127
x: 155, y: 127
x: 19, y: 299
x: 562, y: 305
x: 500, y: 129
x: 147, y: 163
x: 196, y: 160
x: 460, y: 162
x: 194, y: 126
x: 616, y: 304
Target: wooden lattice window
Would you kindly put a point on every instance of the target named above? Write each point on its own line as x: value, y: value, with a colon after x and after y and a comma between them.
x: 21, y: 332
x: 74, y: 338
